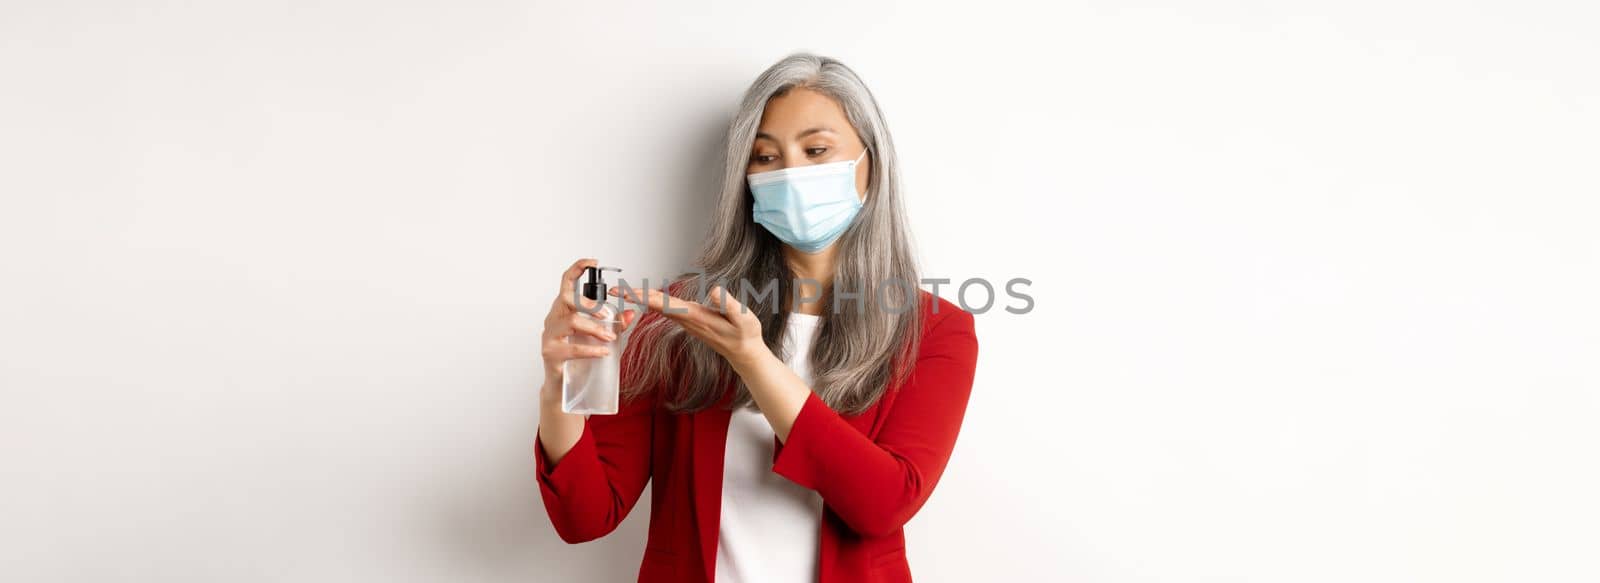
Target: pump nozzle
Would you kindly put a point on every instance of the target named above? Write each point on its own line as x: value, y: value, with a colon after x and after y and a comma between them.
x: 595, y: 288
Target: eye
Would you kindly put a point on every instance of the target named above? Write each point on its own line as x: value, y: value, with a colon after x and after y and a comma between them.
x: 817, y: 151
x: 763, y: 158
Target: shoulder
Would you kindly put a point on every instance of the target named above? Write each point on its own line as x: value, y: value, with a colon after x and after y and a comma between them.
x: 947, y: 353
x: 940, y: 313
x: 944, y: 321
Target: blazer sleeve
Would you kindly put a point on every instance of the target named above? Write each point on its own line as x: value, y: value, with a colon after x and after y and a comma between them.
x: 594, y: 486
x: 876, y: 486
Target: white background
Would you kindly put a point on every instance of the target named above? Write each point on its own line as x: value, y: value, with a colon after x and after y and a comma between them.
x: 1315, y: 284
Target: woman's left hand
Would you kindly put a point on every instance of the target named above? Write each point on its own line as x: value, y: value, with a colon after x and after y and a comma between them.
x: 722, y: 323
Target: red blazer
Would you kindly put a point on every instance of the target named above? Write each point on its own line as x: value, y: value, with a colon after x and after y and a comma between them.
x: 873, y: 470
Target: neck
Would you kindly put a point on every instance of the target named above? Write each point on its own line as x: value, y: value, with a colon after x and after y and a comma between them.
x: 817, y: 267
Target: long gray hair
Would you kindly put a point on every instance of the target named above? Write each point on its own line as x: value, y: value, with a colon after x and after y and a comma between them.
x: 861, y: 350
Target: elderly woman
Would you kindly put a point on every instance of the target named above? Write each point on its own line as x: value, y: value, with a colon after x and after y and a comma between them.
x: 793, y: 431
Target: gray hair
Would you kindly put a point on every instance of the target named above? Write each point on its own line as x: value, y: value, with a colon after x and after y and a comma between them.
x: 859, y: 353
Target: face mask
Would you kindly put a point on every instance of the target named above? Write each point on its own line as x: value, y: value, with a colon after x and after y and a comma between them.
x: 807, y: 207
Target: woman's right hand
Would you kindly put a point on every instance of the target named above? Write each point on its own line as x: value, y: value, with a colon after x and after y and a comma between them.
x: 564, y: 320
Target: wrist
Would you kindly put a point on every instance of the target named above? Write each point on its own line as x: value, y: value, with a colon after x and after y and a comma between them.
x: 749, y: 359
x: 550, y: 391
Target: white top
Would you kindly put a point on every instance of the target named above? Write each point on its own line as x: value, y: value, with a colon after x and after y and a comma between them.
x: 770, y: 525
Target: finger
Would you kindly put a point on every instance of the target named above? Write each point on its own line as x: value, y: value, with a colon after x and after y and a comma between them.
x: 725, y: 302
x: 572, y: 301
x: 591, y: 327
x: 696, y: 319
x: 573, y: 351
x: 557, y: 327
x: 715, y: 299
x: 569, y: 279
x: 626, y: 293
x: 670, y: 306
x: 732, y: 309
x: 627, y: 319
x: 741, y: 314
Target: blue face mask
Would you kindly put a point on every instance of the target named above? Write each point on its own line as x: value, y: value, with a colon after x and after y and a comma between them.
x: 807, y: 207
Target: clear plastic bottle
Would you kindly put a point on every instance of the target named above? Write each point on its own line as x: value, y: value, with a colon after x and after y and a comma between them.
x: 591, y: 386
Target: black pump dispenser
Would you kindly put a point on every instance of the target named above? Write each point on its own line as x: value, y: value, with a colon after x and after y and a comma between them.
x: 595, y: 288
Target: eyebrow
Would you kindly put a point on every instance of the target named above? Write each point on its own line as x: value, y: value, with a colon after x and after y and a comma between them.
x: 803, y: 134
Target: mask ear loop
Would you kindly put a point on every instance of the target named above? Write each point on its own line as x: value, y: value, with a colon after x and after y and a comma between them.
x: 858, y: 163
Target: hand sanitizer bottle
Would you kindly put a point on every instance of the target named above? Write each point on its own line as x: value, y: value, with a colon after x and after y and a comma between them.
x: 591, y: 386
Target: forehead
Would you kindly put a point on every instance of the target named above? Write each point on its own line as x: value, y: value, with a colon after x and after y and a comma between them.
x: 800, y: 109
